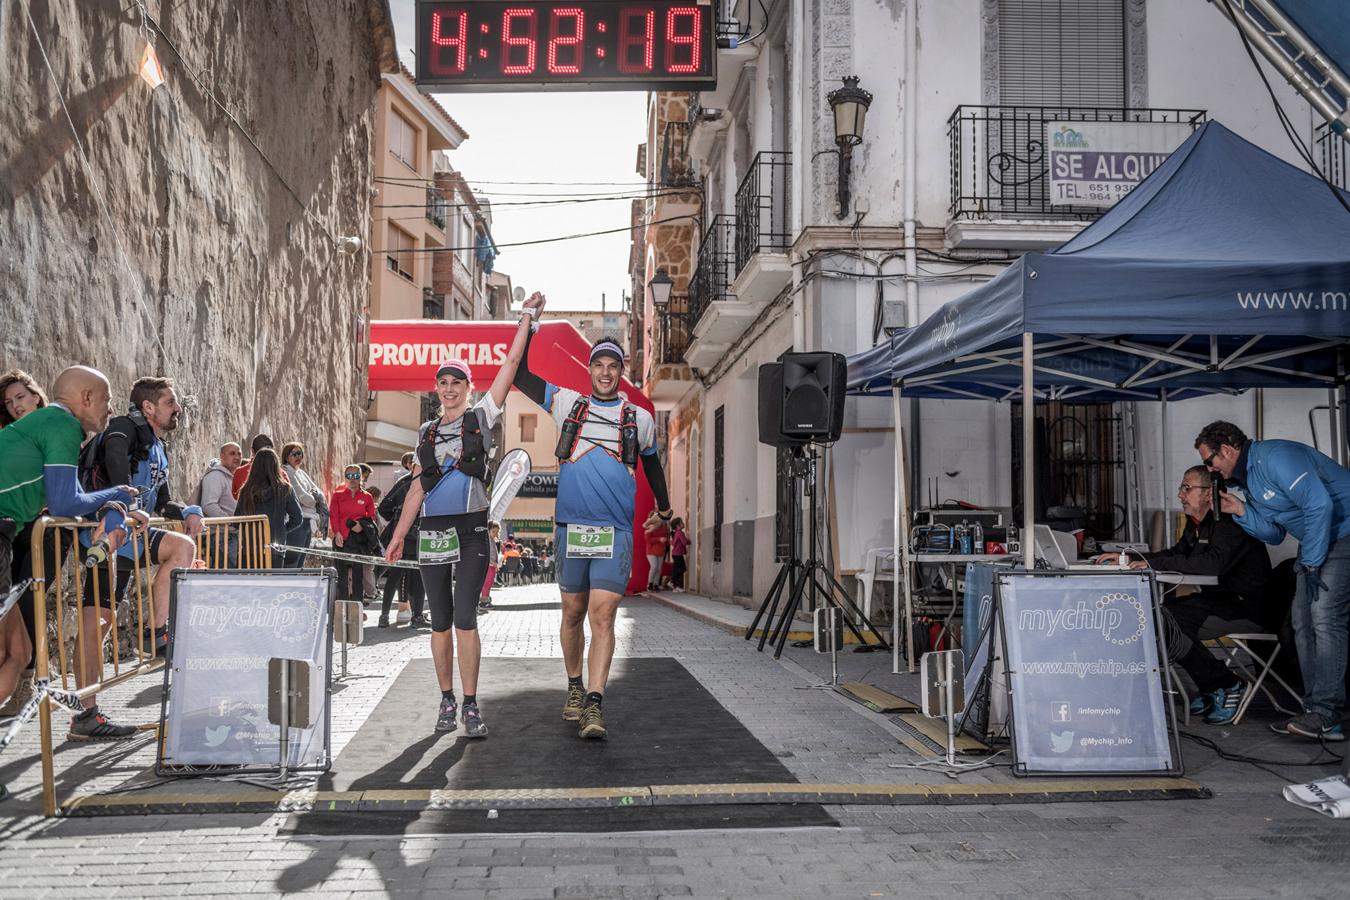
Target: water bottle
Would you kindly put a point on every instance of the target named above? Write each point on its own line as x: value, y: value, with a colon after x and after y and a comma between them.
x: 977, y: 535
x: 963, y: 533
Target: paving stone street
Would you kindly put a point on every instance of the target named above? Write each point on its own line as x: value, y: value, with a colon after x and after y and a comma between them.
x: 1244, y: 841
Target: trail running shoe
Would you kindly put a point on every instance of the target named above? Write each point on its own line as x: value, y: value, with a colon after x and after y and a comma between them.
x: 592, y: 723
x: 383, y: 623
x: 576, y: 696
x: 1226, y: 702
x: 1313, y: 725
x: 419, y: 622
x: 445, y: 718
x: 93, y: 725
x: 23, y: 692
x: 1202, y: 704
x: 473, y: 722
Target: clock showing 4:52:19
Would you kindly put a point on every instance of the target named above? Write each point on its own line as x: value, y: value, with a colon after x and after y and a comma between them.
x: 585, y: 44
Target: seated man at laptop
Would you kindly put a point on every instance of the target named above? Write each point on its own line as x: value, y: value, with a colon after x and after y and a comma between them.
x: 1240, y: 602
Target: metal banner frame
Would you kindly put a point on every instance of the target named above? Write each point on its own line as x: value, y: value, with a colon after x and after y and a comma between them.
x: 1177, y: 768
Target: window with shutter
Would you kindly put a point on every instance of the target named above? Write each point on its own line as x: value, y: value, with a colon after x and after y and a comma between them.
x: 1061, y: 53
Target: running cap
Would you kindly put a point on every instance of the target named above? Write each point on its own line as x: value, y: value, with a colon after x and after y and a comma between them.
x: 456, y: 367
x: 607, y: 348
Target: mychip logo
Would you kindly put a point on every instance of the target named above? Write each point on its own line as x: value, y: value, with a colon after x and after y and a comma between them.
x: 286, y: 620
x: 1119, y: 618
x: 1069, y: 139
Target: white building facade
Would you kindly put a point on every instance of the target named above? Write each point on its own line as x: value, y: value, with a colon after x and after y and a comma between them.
x: 946, y: 187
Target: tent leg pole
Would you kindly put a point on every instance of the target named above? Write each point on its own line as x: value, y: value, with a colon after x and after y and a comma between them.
x: 1166, y: 458
x: 901, y: 538
x: 1028, y: 456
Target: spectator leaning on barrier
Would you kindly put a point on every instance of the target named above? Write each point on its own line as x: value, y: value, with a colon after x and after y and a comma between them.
x: 39, y: 464
x: 1291, y: 488
x: 132, y: 451
x: 268, y: 493
x: 241, y: 473
x: 215, y: 495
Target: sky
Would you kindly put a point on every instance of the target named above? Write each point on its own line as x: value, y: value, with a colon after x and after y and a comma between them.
x: 589, y: 136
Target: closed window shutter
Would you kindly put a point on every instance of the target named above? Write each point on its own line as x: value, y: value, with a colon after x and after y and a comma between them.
x: 1061, y: 52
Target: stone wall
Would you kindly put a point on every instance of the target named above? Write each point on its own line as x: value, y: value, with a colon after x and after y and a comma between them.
x: 212, y: 255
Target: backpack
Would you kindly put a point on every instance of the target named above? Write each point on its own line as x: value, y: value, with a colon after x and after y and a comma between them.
x: 93, y: 469
x: 473, y: 459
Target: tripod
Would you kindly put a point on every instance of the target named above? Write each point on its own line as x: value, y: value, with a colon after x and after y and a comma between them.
x: 799, y: 578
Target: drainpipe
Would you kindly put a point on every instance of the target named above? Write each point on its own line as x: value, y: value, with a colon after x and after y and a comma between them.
x: 799, y: 165
x: 910, y: 152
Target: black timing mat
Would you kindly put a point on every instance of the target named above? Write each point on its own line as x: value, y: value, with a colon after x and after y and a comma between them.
x: 665, y: 729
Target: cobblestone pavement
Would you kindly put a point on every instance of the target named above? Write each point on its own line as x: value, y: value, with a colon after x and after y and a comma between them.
x: 1244, y: 842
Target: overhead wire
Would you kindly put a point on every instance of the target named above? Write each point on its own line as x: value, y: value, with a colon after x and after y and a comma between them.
x: 550, y: 240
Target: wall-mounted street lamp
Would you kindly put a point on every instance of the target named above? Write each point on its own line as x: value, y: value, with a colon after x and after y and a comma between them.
x: 661, y: 285
x: 850, y: 104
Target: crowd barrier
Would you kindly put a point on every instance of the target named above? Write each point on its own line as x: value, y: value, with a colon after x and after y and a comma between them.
x: 58, y: 552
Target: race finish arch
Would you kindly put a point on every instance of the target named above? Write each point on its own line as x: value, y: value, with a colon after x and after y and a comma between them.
x: 404, y: 355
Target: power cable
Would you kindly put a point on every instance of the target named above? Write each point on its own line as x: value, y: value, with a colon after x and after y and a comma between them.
x: 1262, y: 763
x: 552, y: 240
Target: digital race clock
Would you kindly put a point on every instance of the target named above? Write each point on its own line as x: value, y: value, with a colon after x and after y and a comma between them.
x: 585, y: 45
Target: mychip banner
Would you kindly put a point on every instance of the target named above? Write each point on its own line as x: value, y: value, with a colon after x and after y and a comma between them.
x: 1097, y: 163
x: 227, y: 626
x: 1084, y: 673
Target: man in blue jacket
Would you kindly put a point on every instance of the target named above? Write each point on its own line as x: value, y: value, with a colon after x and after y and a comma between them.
x: 1290, y: 488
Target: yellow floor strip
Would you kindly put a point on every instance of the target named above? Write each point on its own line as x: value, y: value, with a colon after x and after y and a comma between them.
x: 623, y: 796
x: 877, y: 700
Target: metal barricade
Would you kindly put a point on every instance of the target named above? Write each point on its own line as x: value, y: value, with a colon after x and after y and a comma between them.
x: 235, y: 542
x: 59, y: 555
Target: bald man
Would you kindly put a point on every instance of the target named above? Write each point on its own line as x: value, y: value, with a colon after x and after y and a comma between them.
x: 39, y: 459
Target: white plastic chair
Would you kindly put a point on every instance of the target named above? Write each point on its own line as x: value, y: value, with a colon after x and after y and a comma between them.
x: 879, y: 561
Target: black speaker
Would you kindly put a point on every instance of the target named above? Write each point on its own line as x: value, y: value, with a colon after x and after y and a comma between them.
x: 771, y: 407
x: 813, y: 396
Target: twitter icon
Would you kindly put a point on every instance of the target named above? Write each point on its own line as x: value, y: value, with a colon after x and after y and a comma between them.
x: 216, y: 736
x: 1061, y: 741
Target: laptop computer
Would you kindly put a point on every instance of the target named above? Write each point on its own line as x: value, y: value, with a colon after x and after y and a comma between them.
x: 1057, y: 548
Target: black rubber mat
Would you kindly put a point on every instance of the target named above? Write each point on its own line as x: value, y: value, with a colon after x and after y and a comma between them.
x: 665, y: 728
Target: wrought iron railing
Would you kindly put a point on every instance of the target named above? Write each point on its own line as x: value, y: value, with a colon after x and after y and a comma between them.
x: 716, y: 267
x: 762, y: 207
x: 1332, y: 152
x: 433, y: 304
x: 999, y: 163
x: 437, y: 208
x: 672, y: 333
x: 677, y: 169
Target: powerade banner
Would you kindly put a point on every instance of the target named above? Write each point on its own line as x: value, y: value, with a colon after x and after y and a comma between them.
x: 1083, y: 673
x: 226, y: 628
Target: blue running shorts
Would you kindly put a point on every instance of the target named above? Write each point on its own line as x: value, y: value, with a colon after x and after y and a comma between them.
x: 585, y: 574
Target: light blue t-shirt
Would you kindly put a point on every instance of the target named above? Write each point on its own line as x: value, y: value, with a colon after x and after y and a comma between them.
x: 594, y: 486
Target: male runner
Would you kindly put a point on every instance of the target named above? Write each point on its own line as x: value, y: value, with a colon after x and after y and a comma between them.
x: 39, y: 456
x: 603, y: 438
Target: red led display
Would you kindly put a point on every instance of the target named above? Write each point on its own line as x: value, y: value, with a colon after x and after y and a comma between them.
x: 568, y: 45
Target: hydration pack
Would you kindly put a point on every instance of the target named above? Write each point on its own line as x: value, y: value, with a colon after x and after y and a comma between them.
x: 93, y: 468
x: 473, y: 459
x: 570, y: 432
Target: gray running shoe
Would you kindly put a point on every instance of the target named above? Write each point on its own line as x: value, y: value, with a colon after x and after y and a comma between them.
x: 473, y: 722
x: 93, y: 725
x: 1313, y: 725
x: 576, y: 696
x: 445, y: 718
x: 592, y: 723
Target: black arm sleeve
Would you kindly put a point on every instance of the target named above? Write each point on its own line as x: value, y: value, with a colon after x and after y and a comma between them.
x: 168, y: 507
x: 117, y: 455
x: 528, y: 383
x: 656, y: 479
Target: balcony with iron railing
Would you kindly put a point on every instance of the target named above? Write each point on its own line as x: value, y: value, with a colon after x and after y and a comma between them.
x: 716, y: 315
x: 677, y: 169
x: 437, y: 208
x: 762, y: 207
x: 1332, y: 152
x: 1000, y: 184
x: 668, y: 375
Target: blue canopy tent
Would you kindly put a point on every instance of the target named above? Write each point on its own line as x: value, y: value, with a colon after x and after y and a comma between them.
x: 1226, y: 269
